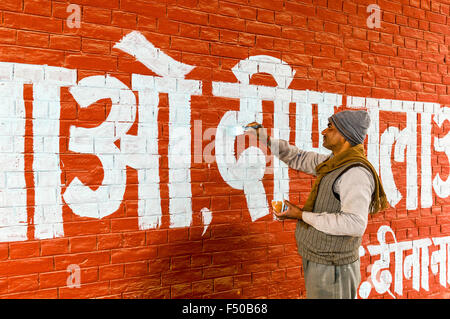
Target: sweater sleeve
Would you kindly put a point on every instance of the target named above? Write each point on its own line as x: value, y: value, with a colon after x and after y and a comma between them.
x: 296, y: 158
x: 355, y: 188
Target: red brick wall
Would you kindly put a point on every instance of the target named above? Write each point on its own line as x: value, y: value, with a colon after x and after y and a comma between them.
x: 337, y: 56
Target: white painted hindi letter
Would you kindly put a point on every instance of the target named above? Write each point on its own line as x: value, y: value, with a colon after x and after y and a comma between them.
x: 439, y: 260
x: 426, y: 194
x: 180, y: 90
x: 442, y: 188
x: 405, y: 149
x: 48, y: 219
x: 99, y: 141
x: 247, y: 171
x: 13, y: 193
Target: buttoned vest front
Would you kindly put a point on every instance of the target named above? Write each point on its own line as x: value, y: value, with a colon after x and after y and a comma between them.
x: 322, y: 248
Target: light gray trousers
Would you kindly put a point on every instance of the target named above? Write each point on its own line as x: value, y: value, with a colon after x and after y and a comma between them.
x: 330, y: 281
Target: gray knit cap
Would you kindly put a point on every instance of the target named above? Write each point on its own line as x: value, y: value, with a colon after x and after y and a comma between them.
x: 352, y: 125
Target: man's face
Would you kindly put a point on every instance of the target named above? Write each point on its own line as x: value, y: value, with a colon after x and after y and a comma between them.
x: 332, y: 138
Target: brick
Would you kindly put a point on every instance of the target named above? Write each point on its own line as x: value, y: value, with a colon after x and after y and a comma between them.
x: 67, y: 43
x: 38, y: 294
x: 96, y: 46
x: 23, y: 283
x: 179, y: 249
x: 4, y: 251
x: 123, y: 19
x: 135, y: 284
x: 190, y: 45
x: 54, y: 246
x: 12, y: 5
x: 133, y: 254
x: 296, y: 34
x: 38, y: 7
x: 229, y: 294
x: 20, y: 250
x: 357, y: 90
x: 181, y: 291
x: 133, y: 239
x: 80, y: 244
x: 229, y: 51
x: 383, y: 49
x: 402, y: 223
x: 330, y: 15
x: 31, y: 55
x: 223, y: 283
x: 177, y: 277
x: 236, y: 257
x: 145, y: 8
x: 136, y: 269
x: 356, y: 44
x: 99, y: 32
x: 32, y: 22
x: 202, y: 287
x: 229, y: 9
x: 32, y: 39
x: 256, y: 291
x: 91, y: 62
x: 96, y: 15
x: 26, y: 266
x: 214, y: 272
x: 263, y: 28
x: 7, y: 36
x: 276, y: 5
x: 82, y: 259
x: 326, y: 63
x: 85, y: 291
x: 224, y: 22
x: 189, y: 16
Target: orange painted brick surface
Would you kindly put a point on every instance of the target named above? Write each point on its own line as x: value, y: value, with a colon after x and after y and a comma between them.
x: 120, y: 174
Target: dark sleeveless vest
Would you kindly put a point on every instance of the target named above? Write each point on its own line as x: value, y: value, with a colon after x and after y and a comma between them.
x: 318, y: 246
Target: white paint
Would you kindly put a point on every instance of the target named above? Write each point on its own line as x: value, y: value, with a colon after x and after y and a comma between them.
x: 137, y: 45
x: 414, y: 266
x: 140, y: 151
x: 442, y: 188
x: 388, y: 139
x: 405, y: 146
x: 144, y: 155
x: 99, y: 141
x: 74, y: 19
x: 46, y: 82
x: 426, y: 196
x: 382, y: 281
x: 247, y: 172
x: 234, y: 172
x: 179, y: 91
x: 13, y: 195
x: 374, y: 20
x: 206, y: 218
x: 74, y: 279
x: 439, y: 260
x: 48, y: 219
x: 326, y: 102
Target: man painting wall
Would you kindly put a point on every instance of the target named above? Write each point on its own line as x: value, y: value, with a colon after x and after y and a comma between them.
x: 331, y: 223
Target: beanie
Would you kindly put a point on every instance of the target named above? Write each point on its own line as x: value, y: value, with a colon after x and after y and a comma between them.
x: 352, y: 125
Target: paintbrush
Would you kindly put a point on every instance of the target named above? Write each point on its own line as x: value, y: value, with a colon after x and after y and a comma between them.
x: 239, y: 130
